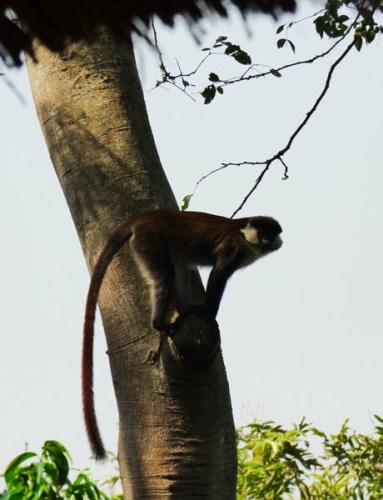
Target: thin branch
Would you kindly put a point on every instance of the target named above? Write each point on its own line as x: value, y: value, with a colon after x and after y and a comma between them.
x: 222, y: 167
x: 256, y: 184
x: 194, y: 71
x: 283, y: 151
x: 317, y: 102
x: 168, y: 78
x: 162, y: 64
x: 272, y: 71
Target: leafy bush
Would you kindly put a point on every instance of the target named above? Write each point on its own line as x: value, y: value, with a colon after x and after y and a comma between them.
x: 47, y: 477
x: 275, y: 463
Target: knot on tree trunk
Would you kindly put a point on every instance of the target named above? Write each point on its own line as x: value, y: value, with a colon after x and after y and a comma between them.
x: 195, y: 340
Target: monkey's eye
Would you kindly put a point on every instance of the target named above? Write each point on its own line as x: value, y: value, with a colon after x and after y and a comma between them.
x: 265, y: 241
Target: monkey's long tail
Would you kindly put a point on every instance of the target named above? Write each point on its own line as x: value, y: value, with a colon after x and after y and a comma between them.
x: 118, y: 239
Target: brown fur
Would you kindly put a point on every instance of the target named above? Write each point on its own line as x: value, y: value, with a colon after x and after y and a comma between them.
x: 158, y: 241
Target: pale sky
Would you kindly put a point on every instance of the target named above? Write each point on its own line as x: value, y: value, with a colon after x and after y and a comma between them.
x: 301, y: 330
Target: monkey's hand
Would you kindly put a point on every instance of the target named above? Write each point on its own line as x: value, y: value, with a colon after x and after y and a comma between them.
x: 166, y: 328
x: 201, y: 311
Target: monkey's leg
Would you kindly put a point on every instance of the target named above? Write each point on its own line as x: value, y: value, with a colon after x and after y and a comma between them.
x: 161, y: 297
x: 156, y: 266
x: 182, y: 288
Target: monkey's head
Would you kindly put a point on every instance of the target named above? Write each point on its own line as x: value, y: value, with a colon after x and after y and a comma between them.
x: 266, y: 233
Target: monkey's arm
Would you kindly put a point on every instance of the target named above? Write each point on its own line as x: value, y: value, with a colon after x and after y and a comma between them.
x: 216, y: 286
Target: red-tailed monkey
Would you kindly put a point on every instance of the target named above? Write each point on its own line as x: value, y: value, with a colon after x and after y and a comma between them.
x: 164, y: 245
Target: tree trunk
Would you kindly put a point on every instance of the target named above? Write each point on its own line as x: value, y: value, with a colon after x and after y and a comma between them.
x: 176, y: 429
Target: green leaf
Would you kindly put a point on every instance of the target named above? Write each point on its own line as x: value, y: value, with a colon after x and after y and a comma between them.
x: 281, y: 42
x: 220, y: 90
x: 15, y: 463
x: 343, y: 19
x: 320, y: 23
x: 358, y: 41
x: 213, y: 77
x: 208, y: 93
x: 291, y: 45
x: 58, y: 455
x: 369, y: 35
x: 186, y: 202
x: 242, y: 57
x: 280, y: 29
x: 231, y: 48
x: 55, y: 447
x: 276, y: 73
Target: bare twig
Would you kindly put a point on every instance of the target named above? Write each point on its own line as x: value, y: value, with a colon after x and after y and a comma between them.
x: 283, y: 151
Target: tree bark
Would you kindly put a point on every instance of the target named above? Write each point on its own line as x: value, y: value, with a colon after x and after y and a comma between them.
x: 176, y: 429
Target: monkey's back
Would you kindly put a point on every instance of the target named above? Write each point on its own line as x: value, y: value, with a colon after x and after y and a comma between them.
x: 198, y: 236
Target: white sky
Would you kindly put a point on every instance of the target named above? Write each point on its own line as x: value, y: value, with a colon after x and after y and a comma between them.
x: 301, y: 330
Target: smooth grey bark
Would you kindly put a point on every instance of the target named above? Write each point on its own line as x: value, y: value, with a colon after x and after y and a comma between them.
x: 176, y: 429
